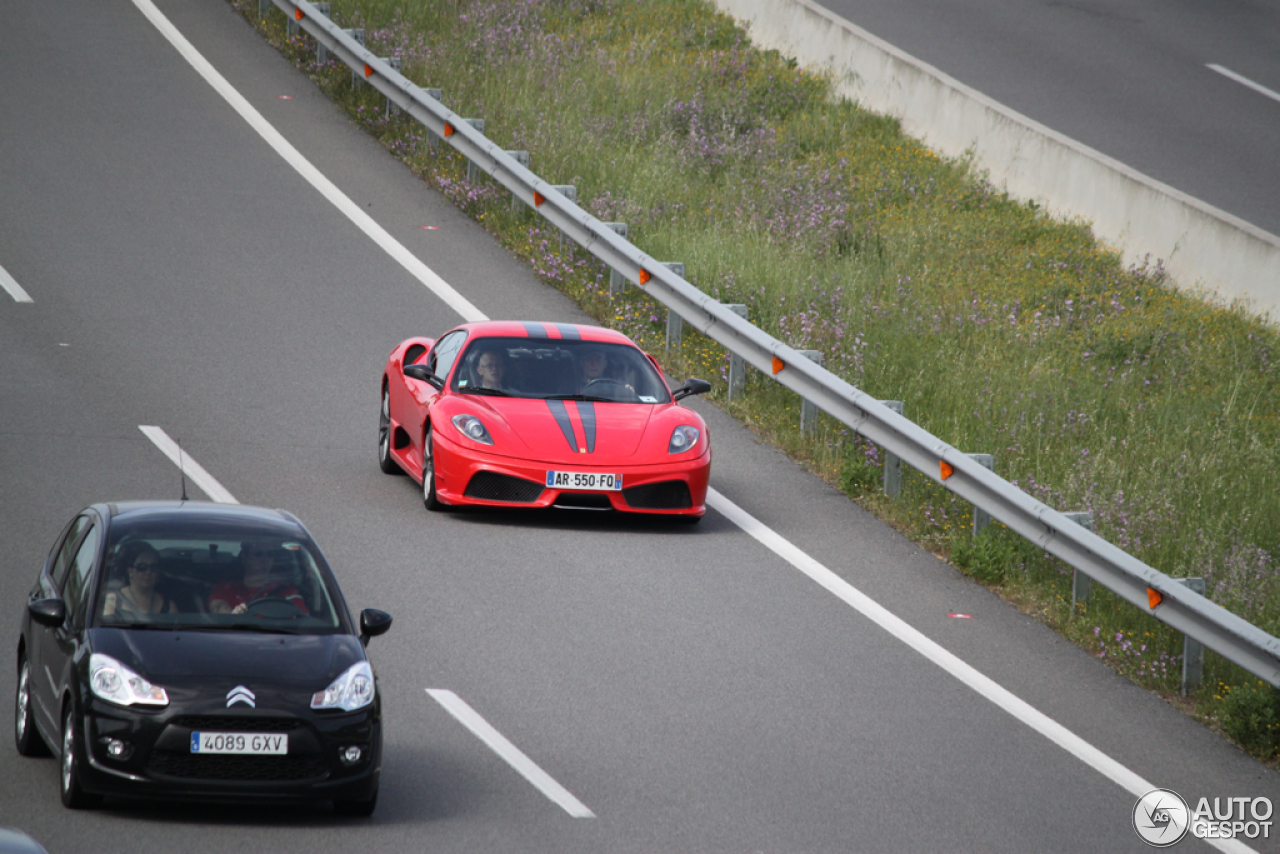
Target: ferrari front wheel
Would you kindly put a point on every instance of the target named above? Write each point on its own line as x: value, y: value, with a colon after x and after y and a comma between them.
x: 385, y: 460
x: 429, y: 499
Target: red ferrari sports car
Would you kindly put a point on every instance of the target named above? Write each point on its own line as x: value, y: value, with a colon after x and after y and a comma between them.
x: 509, y: 413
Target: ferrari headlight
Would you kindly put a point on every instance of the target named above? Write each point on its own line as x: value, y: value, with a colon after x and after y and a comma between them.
x: 350, y: 691
x: 112, y: 681
x: 683, y: 438
x: 473, y: 428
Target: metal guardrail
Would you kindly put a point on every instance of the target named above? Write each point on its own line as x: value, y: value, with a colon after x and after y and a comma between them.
x: 1143, y: 586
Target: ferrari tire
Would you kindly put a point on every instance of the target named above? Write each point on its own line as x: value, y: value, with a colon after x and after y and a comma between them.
x: 73, y: 795
x: 429, y: 498
x: 25, y: 735
x: 385, y: 461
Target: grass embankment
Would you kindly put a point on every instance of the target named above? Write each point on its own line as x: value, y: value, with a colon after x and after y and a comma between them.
x: 1005, y: 331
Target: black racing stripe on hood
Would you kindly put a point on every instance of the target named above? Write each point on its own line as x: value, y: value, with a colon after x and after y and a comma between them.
x: 587, y: 412
x: 569, y: 333
x: 535, y: 330
x: 561, y: 412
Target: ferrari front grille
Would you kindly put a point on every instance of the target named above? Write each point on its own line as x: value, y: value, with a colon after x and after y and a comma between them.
x: 584, y: 501
x: 663, y: 495
x: 492, y: 486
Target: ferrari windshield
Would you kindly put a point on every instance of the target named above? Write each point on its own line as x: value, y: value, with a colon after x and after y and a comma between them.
x: 562, y: 369
x: 212, y: 577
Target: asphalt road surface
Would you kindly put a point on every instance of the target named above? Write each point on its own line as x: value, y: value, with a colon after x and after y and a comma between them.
x: 1184, y: 91
x: 689, y: 688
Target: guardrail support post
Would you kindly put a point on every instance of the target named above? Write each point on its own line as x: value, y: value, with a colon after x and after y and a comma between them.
x: 617, y: 282
x: 737, y: 364
x: 322, y: 52
x: 358, y: 36
x: 473, y: 171
x: 1080, y: 582
x: 396, y: 66
x: 570, y: 192
x: 675, y: 323
x: 521, y: 157
x: 1192, y: 650
x: 438, y: 94
x: 981, y: 518
x: 263, y: 6
x: 809, y: 409
x: 892, y: 462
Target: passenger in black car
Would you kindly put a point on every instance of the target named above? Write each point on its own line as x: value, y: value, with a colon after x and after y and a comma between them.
x: 139, y: 597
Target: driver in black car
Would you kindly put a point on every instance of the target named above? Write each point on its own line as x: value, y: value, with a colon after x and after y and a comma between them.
x: 258, y: 558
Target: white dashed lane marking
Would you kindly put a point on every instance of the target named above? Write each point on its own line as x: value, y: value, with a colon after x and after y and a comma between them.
x: 189, y: 467
x: 1245, y: 81
x: 513, y: 756
x: 10, y: 284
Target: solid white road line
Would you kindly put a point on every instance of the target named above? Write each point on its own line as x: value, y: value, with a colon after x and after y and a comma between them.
x: 1245, y: 81
x: 1021, y: 710
x: 541, y: 780
x: 216, y: 491
x: 294, y: 158
x: 10, y: 284
x: 878, y: 614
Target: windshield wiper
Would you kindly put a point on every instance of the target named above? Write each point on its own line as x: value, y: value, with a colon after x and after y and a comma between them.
x: 240, y: 627
x: 162, y: 627
x: 496, y: 392
x: 269, y: 630
x: 589, y: 397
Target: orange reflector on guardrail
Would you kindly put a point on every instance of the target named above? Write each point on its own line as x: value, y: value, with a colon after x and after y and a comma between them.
x: 1154, y: 597
x: 538, y: 198
x: 297, y: 14
x: 448, y: 129
x: 947, y: 470
x: 368, y: 72
x: 644, y: 276
x: 778, y: 364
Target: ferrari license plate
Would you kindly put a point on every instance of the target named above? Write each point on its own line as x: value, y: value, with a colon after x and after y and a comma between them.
x: 247, y: 743
x: 584, y: 480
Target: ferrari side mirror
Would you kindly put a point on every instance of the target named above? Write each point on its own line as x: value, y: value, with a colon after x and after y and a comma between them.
x: 423, y: 373
x: 691, y: 387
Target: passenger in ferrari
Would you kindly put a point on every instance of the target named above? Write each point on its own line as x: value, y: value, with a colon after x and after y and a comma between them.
x: 235, y: 597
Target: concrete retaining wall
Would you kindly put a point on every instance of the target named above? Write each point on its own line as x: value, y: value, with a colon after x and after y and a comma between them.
x: 1200, y: 245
